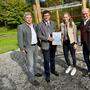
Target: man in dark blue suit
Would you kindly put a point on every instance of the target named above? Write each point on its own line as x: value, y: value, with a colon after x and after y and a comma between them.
x: 46, y: 28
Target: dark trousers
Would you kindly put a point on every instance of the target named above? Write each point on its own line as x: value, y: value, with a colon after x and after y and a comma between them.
x: 66, y: 48
x: 86, y: 56
x: 49, y: 60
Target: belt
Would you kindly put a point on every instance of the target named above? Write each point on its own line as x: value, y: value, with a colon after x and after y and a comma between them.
x: 33, y: 44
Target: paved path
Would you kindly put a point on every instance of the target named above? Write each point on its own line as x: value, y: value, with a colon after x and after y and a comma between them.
x: 13, y: 74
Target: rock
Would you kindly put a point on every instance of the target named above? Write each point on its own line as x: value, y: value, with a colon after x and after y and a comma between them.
x: 13, y: 73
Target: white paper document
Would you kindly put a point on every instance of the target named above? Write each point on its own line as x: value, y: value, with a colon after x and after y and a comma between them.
x: 56, y: 38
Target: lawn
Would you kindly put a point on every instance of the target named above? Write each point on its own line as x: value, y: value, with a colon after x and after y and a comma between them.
x: 8, y: 40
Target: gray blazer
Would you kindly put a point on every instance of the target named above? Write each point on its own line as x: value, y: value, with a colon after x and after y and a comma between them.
x: 24, y: 36
x: 43, y: 33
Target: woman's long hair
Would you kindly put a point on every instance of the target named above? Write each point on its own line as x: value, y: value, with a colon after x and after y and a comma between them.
x: 70, y: 20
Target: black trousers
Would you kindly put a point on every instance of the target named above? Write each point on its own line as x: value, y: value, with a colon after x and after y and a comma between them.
x: 66, y: 48
x: 86, y: 56
x: 49, y: 60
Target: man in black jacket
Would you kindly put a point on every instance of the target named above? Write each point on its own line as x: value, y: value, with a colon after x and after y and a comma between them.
x: 85, y: 37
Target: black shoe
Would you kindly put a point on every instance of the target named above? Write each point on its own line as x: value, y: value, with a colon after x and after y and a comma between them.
x: 38, y: 74
x: 55, y: 73
x: 89, y: 74
x: 85, y: 74
x: 35, y: 82
x: 47, y: 80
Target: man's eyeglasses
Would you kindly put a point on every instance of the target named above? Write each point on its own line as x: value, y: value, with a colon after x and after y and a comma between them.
x: 85, y: 13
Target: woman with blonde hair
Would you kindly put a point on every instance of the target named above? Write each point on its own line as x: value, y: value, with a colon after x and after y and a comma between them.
x: 69, y: 39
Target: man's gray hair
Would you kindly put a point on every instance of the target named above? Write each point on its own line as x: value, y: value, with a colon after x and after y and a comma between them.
x: 26, y: 14
x: 85, y: 10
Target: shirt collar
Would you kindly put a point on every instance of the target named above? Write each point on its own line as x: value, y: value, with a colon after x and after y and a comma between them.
x: 46, y: 22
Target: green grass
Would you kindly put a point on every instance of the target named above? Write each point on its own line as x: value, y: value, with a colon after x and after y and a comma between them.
x: 8, y: 40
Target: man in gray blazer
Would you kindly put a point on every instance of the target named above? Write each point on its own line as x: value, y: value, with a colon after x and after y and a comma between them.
x: 46, y: 27
x: 27, y: 40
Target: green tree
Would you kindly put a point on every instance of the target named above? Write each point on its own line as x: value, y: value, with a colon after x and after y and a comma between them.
x: 11, y: 12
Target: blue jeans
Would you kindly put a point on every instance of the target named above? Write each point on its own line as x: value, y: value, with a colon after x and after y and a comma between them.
x: 86, y: 56
x: 66, y: 48
x: 49, y: 60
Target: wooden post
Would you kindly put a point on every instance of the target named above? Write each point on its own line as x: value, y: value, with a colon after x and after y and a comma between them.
x: 38, y: 10
x: 58, y: 19
x: 84, y: 3
x: 35, y: 13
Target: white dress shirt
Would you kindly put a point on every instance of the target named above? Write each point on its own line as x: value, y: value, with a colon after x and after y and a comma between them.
x: 47, y: 23
x: 34, y: 36
x: 85, y: 21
